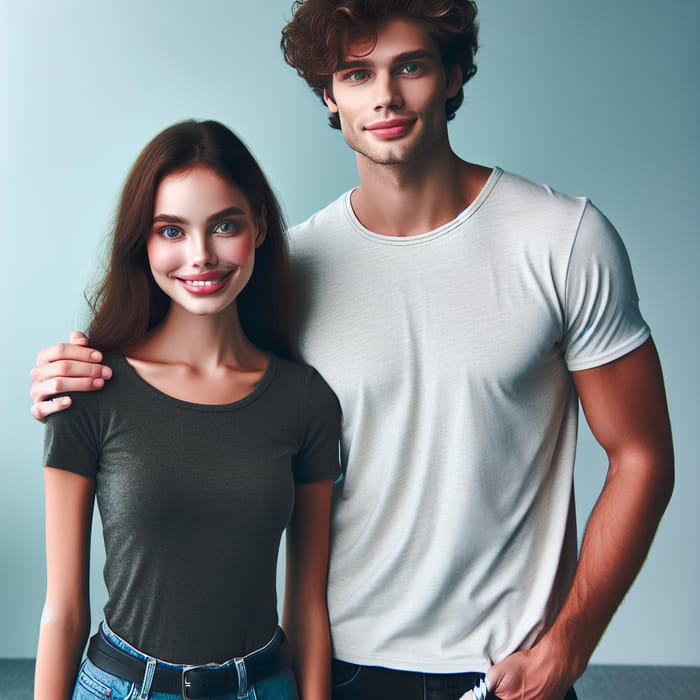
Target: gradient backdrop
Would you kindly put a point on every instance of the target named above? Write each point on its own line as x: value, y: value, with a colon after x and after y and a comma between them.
x: 598, y: 98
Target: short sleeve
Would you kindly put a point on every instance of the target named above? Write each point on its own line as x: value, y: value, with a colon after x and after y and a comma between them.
x: 71, y: 437
x: 319, y: 455
x: 603, y: 321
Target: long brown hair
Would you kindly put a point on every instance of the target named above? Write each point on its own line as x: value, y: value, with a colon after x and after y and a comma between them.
x: 128, y: 303
x: 314, y: 40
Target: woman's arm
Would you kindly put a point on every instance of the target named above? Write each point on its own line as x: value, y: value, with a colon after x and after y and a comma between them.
x: 65, y: 620
x: 305, y: 617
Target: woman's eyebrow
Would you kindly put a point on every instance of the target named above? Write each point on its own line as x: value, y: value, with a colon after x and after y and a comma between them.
x: 172, y: 219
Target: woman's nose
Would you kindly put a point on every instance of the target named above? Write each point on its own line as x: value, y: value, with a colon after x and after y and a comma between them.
x: 201, y: 251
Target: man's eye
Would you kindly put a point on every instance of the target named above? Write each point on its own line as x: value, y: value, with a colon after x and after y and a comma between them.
x: 356, y: 76
x: 410, y: 68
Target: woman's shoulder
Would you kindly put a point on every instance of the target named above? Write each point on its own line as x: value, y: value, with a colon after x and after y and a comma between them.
x: 121, y: 380
x: 306, y: 379
x: 121, y: 372
x: 293, y: 369
x: 309, y: 389
x: 113, y: 360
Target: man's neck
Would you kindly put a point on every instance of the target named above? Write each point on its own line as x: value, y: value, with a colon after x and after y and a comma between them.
x: 409, y: 199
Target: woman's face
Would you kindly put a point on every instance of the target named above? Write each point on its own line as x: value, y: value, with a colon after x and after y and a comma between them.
x: 201, y: 248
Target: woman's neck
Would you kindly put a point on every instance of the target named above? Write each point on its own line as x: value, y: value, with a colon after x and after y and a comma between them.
x: 200, y: 359
x: 206, y: 341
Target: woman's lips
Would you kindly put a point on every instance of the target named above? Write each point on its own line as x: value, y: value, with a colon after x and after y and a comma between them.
x: 208, y: 283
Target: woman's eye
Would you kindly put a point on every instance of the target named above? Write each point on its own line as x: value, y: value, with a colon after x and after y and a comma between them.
x: 225, y: 227
x: 170, y: 232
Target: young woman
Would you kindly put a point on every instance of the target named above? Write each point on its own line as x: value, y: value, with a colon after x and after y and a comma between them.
x: 207, y: 443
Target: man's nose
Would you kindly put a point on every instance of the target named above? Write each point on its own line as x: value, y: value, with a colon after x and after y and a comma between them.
x: 387, y: 91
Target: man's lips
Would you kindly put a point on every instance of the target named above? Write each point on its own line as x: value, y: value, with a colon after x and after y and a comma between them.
x: 391, y: 128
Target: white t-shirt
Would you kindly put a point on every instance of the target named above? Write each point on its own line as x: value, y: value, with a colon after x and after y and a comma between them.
x: 453, y: 533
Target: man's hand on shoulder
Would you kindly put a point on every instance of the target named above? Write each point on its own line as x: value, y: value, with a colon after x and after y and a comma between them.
x: 63, y: 368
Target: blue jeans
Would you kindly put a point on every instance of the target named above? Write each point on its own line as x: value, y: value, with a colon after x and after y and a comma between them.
x: 93, y: 682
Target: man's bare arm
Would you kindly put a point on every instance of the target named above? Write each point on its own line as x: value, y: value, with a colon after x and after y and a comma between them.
x: 63, y: 368
x: 625, y: 407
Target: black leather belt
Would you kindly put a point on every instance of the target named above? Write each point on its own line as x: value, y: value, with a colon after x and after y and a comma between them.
x: 191, y: 682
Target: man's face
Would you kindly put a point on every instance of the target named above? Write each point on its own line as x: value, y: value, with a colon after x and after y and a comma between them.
x: 391, y: 101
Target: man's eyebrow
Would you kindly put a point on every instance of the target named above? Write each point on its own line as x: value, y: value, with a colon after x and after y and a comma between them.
x: 355, y: 63
x: 414, y: 56
x: 171, y: 219
x: 360, y: 62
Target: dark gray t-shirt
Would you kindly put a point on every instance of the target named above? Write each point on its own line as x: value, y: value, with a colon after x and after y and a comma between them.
x: 193, y: 500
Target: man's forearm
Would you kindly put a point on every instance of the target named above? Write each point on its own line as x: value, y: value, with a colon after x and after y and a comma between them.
x: 616, y: 541
x: 625, y: 406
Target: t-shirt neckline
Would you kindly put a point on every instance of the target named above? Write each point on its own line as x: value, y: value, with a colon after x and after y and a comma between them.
x: 440, y: 231
x: 219, y: 407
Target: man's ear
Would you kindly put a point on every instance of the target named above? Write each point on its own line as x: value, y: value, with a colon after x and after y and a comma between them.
x: 454, y: 80
x: 262, y: 227
x: 332, y: 106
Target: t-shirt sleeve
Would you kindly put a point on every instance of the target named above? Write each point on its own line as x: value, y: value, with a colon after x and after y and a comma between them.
x: 603, y: 321
x: 71, y: 437
x: 319, y: 455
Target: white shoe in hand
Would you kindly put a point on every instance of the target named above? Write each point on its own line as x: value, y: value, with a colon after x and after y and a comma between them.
x: 479, y: 692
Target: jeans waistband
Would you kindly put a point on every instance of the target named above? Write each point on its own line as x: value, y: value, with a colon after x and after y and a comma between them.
x: 114, y: 655
x: 115, y: 640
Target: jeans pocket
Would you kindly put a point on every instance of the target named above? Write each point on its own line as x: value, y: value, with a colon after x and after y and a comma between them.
x: 280, y: 686
x: 343, y: 673
x: 93, y: 683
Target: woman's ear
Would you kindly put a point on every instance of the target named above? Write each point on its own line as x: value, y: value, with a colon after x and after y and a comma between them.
x: 262, y: 226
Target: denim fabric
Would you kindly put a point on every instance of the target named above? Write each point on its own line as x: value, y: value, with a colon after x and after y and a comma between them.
x: 94, y: 683
x: 355, y: 682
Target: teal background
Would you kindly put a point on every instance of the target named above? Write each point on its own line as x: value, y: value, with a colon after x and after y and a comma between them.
x: 598, y: 98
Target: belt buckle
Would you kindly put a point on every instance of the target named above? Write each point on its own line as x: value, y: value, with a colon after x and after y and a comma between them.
x: 185, y: 684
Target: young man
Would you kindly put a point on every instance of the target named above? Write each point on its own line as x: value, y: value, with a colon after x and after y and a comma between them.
x: 460, y: 313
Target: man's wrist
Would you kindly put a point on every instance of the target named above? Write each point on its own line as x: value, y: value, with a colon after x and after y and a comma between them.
x: 564, y: 649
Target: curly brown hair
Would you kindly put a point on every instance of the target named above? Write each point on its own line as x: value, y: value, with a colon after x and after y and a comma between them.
x: 314, y: 40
